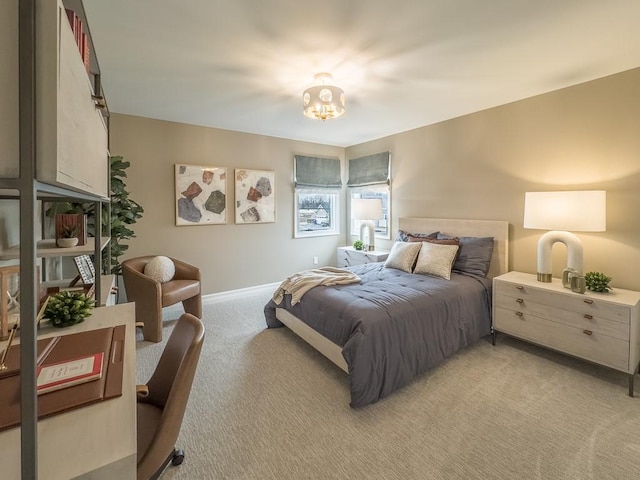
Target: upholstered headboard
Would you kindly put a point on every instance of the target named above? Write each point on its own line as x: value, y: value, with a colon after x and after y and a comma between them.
x: 498, y: 229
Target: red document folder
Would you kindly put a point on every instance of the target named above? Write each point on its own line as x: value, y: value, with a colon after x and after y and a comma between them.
x: 109, y: 341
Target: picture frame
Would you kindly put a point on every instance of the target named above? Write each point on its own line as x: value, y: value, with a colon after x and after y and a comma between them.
x: 255, y: 196
x: 200, y: 195
x: 86, y: 269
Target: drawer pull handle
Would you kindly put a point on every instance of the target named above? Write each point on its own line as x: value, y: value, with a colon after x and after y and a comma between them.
x: 519, y: 314
x: 519, y: 287
x: 587, y: 332
x: 588, y: 317
x: 589, y: 301
x: 519, y: 300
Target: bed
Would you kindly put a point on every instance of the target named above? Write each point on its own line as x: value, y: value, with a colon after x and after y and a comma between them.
x: 394, y: 325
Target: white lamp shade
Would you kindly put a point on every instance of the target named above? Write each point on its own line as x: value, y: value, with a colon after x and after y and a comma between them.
x: 366, y: 208
x: 578, y: 211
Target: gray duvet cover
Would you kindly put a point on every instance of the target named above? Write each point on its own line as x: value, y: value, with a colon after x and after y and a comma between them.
x: 394, y: 325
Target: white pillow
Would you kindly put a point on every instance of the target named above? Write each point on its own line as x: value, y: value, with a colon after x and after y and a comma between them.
x: 160, y: 268
x: 403, y: 255
x: 436, y: 259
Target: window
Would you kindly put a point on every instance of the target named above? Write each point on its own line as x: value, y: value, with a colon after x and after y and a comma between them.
x: 369, y: 177
x: 316, y: 212
x: 318, y: 182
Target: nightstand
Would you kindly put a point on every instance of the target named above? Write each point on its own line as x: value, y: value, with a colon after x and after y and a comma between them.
x: 349, y: 256
x: 600, y: 327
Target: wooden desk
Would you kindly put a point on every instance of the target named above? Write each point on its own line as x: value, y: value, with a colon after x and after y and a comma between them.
x: 96, y: 442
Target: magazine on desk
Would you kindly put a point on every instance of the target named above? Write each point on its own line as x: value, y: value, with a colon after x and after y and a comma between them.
x: 68, y: 373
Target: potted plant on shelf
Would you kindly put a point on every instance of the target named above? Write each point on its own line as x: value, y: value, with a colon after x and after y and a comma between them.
x: 67, y: 308
x: 68, y: 236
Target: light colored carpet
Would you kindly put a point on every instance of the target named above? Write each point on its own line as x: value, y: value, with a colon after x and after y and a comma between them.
x: 265, y: 405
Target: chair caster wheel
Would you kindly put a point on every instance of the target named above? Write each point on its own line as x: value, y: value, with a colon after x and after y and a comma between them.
x: 178, y: 458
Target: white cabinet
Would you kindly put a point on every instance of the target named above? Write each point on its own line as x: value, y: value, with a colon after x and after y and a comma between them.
x: 348, y: 256
x: 71, y: 134
x: 599, y: 327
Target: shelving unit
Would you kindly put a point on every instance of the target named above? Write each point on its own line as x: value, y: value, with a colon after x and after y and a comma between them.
x: 54, y: 144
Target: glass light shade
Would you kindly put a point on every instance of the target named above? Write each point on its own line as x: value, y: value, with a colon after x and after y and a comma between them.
x: 323, y: 100
x: 366, y: 208
x: 578, y: 211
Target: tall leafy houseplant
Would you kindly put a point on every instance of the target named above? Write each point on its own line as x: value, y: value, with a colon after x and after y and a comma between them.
x: 124, y: 213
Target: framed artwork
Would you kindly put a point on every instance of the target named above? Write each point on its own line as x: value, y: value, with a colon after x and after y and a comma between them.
x: 255, y: 196
x: 201, y: 195
x: 86, y: 269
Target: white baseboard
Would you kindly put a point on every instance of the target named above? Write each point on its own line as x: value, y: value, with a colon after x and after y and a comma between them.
x: 233, y: 294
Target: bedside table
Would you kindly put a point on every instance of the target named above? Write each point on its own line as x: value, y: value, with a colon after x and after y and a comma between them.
x: 600, y: 327
x: 348, y: 256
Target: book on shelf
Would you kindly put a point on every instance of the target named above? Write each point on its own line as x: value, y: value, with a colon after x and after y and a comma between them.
x: 68, y: 373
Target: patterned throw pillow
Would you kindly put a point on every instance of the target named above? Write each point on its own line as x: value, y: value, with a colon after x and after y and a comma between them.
x: 403, y: 236
x: 403, y: 256
x: 160, y: 268
x: 436, y: 259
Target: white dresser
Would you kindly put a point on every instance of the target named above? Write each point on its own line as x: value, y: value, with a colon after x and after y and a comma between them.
x: 348, y: 256
x: 599, y: 327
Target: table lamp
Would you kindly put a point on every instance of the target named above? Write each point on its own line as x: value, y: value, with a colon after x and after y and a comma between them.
x: 367, y: 210
x: 581, y: 211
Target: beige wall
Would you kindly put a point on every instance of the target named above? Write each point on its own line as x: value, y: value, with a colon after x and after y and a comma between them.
x: 230, y: 256
x: 480, y: 166
x: 476, y: 166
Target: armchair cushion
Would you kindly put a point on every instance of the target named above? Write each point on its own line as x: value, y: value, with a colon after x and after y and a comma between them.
x: 161, y: 269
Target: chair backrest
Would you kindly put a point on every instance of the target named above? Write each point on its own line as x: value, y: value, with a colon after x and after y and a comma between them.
x: 170, y: 384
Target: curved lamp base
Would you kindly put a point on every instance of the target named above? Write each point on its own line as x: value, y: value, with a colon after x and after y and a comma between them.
x: 367, y: 227
x: 574, y: 253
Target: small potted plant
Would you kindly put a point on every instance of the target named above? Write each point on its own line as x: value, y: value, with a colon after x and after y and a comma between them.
x: 358, y: 245
x: 68, y: 236
x: 597, y: 282
x: 67, y: 308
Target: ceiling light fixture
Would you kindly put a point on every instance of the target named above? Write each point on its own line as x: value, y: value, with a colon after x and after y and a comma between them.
x: 323, y: 100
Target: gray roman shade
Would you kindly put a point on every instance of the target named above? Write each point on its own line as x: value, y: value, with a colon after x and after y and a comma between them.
x: 317, y: 172
x: 370, y: 170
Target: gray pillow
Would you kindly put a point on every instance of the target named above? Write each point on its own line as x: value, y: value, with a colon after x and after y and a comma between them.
x: 474, y: 255
x: 403, y: 236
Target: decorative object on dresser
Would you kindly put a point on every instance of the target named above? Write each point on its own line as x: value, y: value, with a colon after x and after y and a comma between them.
x: 582, y: 211
x: 604, y: 329
x: 367, y: 210
x: 358, y: 245
x: 597, y: 282
x: 348, y: 256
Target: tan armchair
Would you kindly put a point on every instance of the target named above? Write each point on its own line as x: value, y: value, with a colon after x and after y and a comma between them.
x: 163, y: 400
x: 150, y: 295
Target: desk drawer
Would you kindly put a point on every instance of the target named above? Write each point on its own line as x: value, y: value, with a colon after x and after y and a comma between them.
x: 603, y: 349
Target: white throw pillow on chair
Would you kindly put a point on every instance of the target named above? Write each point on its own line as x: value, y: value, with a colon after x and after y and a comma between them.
x: 160, y: 268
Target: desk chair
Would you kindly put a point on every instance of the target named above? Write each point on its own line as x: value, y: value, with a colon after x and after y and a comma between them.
x: 162, y: 401
x: 150, y: 295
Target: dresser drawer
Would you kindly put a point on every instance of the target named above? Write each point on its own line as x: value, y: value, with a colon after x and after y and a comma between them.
x: 585, y: 321
x: 347, y: 256
x: 581, y: 304
x: 584, y: 343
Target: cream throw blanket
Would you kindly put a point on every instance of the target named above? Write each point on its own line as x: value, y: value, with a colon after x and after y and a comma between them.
x: 300, y: 283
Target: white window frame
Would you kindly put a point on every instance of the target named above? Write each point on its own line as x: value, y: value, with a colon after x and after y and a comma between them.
x: 334, y: 214
x: 379, y: 191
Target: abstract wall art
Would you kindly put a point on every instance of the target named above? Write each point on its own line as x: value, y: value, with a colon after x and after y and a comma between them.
x: 255, y: 196
x: 201, y: 195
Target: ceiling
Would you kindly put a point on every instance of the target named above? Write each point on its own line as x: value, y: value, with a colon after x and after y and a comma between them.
x: 243, y: 64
